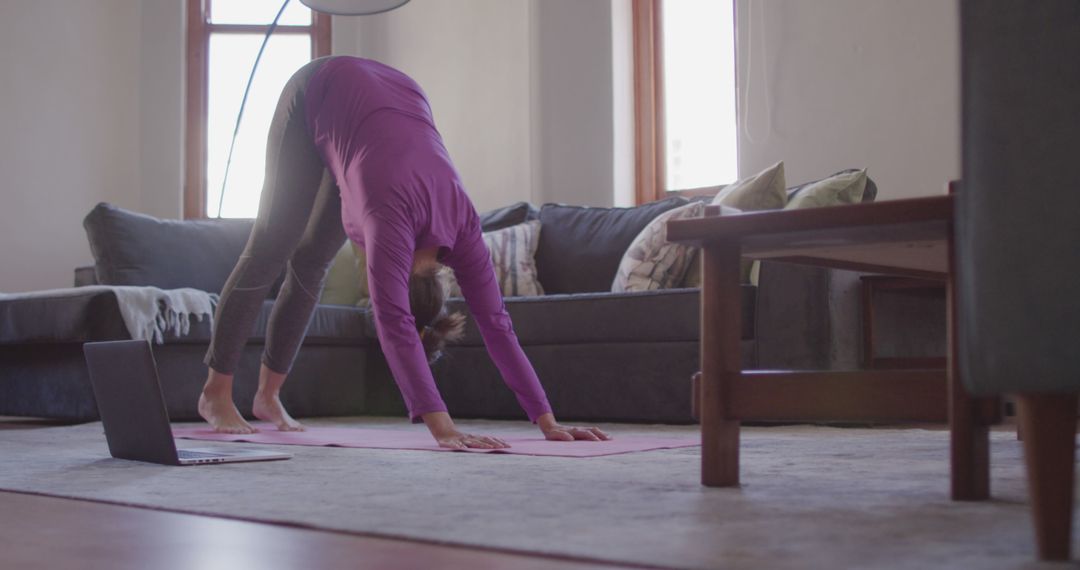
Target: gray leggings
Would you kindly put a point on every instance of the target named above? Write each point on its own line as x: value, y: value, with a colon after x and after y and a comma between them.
x: 298, y: 229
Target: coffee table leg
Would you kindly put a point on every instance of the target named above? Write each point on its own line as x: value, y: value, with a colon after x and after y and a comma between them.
x: 721, y: 363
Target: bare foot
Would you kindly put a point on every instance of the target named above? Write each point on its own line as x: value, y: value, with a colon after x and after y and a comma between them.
x: 269, y: 409
x: 222, y: 415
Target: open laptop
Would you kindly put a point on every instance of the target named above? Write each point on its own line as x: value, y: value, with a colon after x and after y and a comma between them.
x: 132, y: 408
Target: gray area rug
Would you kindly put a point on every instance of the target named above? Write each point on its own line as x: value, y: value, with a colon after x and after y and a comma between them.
x: 812, y: 497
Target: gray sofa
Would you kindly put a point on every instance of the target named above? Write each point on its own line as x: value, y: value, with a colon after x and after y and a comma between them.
x: 601, y: 356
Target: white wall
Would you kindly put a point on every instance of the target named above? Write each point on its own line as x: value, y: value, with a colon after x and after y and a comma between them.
x: 835, y: 84
x: 522, y: 90
x: 572, y: 88
x: 622, y: 104
x: 472, y: 59
x: 69, y: 130
x: 161, y: 108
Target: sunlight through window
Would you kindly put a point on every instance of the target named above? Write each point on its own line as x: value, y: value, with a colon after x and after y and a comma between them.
x: 231, y: 54
x: 699, y: 93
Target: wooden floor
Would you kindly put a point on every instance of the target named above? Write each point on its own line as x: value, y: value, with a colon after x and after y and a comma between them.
x: 54, y: 533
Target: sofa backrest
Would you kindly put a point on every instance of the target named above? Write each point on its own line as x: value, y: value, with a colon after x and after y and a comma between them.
x: 512, y: 215
x: 580, y: 247
x: 136, y: 249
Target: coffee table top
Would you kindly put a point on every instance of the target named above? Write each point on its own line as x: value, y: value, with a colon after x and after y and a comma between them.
x: 907, y: 237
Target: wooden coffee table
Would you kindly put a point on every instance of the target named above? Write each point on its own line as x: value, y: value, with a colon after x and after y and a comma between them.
x: 902, y: 237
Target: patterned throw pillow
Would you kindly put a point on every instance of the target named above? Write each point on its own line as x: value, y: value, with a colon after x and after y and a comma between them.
x: 763, y: 191
x: 513, y: 252
x: 651, y: 261
x: 693, y: 275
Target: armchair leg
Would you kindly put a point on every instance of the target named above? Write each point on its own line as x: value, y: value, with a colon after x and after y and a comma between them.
x: 969, y: 441
x: 1049, y: 426
x: 969, y: 432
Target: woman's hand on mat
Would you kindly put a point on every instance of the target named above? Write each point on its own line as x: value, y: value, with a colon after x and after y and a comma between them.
x: 461, y: 440
x: 554, y: 431
x: 443, y: 430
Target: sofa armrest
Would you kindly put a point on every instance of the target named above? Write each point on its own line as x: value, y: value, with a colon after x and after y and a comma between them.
x: 61, y: 316
x: 85, y: 276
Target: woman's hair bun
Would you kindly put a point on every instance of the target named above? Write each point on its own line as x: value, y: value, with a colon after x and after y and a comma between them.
x: 447, y: 327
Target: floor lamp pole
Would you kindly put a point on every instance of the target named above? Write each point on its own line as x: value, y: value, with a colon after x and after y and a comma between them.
x: 243, y: 103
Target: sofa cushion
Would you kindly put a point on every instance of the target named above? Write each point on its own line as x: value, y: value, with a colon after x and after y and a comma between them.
x: 513, y: 252
x: 354, y: 267
x: 136, y: 249
x: 841, y: 188
x: 647, y: 316
x: 869, y: 193
x: 346, y: 280
x: 331, y: 324
x: 507, y: 216
x: 580, y: 247
x: 762, y: 191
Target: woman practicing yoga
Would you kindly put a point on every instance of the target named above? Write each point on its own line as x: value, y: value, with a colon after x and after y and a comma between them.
x: 353, y: 152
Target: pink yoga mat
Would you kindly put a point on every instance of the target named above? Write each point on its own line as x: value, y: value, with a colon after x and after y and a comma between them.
x: 421, y: 440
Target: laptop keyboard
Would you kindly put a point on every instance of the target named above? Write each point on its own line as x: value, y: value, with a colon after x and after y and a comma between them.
x: 187, y: 454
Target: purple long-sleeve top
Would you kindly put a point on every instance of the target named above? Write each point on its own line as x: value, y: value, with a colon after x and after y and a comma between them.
x: 400, y: 193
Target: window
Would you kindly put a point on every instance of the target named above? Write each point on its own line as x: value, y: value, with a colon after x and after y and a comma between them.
x: 223, y: 40
x: 686, y: 122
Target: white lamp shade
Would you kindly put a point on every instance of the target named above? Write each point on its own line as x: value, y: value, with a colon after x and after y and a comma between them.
x: 353, y: 7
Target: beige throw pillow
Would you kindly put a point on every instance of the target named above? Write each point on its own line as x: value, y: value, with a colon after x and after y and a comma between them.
x: 842, y: 188
x: 765, y: 190
x: 693, y: 275
x: 651, y: 261
x: 361, y: 263
x: 346, y: 281
x: 513, y: 255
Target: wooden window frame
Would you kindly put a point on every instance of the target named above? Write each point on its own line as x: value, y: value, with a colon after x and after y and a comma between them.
x: 650, y: 164
x: 197, y: 66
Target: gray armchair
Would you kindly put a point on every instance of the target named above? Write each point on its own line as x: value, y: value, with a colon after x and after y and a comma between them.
x: 1018, y: 235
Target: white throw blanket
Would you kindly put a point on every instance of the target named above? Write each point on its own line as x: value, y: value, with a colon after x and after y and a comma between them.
x: 148, y: 312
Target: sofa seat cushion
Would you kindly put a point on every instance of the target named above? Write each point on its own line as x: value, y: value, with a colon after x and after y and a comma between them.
x: 649, y: 316
x: 331, y: 324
